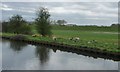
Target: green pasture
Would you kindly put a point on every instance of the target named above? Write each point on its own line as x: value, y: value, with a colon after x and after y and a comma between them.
x: 105, y: 39
x: 87, y: 35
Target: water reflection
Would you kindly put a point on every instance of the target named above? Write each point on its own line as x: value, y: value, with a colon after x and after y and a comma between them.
x: 42, y: 53
x: 32, y: 57
x: 119, y: 66
x: 54, y: 50
x: 17, y: 46
x: 0, y: 54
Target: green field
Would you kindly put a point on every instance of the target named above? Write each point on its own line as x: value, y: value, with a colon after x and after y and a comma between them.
x: 87, y: 35
x: 106, y: 38
x: 101, y: 34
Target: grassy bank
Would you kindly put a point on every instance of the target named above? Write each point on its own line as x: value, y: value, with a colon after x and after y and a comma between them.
x: 105, y: 42
x: 102, y: 38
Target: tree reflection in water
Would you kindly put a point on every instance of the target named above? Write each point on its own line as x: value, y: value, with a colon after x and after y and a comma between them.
x: 43, y: 54
x: 17, y: 46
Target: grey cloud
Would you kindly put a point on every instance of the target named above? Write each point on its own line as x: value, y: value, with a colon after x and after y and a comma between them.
x: 76, y: 12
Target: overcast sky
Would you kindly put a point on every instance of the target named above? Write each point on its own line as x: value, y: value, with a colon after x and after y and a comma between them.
x: 81, y: 13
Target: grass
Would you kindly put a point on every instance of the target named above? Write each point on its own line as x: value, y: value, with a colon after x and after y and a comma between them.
x: 87, y: 35
x: 108, y: 46
x: 105, y: 41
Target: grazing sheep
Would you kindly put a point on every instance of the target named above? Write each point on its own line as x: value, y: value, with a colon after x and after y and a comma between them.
x: 54, y: 38
x: 36, y: 35
x: 89, y: 42
x: 75, y: 39
x: 93, y: 41
x: 71, y: 38
x: 33, y: 35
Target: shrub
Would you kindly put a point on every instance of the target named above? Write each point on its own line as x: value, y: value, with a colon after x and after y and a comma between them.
x: 19, y: 37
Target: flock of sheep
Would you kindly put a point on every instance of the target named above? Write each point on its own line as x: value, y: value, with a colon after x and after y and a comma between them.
x: 55, y: 38
x: 75, y: 39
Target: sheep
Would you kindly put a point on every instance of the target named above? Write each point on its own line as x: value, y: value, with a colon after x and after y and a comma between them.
x: 75, y: 39
x: 93, y: 41
x: 71, y: 38
x: 89, y: 42
x: 54, y: 38
x: 33, y: 35
x: 36, y: 35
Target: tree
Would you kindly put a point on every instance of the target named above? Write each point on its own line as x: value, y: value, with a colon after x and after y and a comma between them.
x: 53, y: 22
x: 43, y: 22
x: 115, y: 25
x: 5, y: 26
x: 61, y: 22
x: 18, y: 25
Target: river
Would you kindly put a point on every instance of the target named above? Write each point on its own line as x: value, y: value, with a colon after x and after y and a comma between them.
x: 23, y: 56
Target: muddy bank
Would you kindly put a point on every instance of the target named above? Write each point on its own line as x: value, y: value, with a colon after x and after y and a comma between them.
x: 96, y: 53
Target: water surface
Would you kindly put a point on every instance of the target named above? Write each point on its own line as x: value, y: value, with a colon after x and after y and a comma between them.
x: 0, y: 55
x: 22, y: 56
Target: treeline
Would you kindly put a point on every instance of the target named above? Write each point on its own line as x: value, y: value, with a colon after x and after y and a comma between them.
x: 16, y: 24
x: 112, y: 28
x: 28, y: 27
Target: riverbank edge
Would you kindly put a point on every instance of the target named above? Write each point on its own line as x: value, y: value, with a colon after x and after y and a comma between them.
x: 69, y: 47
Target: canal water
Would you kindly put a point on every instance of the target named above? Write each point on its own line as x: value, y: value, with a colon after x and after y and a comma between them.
x: 23, y: 56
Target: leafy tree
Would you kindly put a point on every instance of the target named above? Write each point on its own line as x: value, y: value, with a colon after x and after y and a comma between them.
x: 61, y: 22
x: 18, y: 25
x: 26, y: 29
x: 5, y: 26
x: 115, y: 25
x: 43, y: 22
x: 53, y: 22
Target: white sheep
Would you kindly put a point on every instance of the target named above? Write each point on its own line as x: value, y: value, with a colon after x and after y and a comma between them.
x: 93, y: 41
x: 77, y: 38
x: 89, y: 42
x: 54, y: 38
x: 74, y: 39
x: 36, y: 35
x: 71, y: 38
